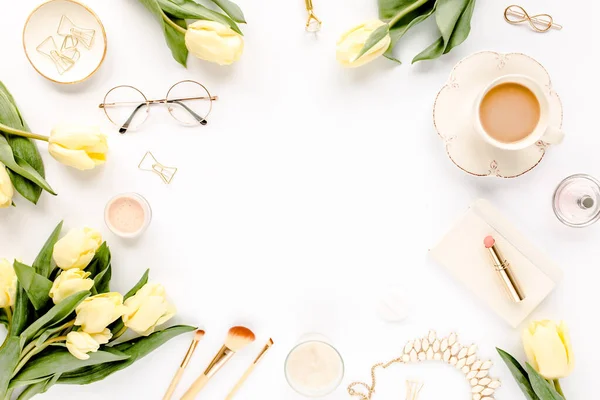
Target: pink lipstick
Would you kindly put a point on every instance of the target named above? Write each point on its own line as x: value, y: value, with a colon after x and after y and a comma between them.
x: 505, y: 273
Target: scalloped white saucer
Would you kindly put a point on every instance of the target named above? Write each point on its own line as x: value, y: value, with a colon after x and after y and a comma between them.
x: 454, y: 107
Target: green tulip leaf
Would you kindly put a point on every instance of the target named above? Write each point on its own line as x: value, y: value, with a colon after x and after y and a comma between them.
x: 100, y: 262
x: 153, y: 6
x: 19, y: 121
x: 23, y: 186
x: 36, y: 286
x: 33, y: 390
x: 174, y: 38
x: 102, y: 281
x: 137, y: 349
x: 231, y: 9
x: 176, y: 41
x: 374, y: 38
x: 100, y: 270
x: 402, y: 25
x: 140, y: 284
x: 38, y: 387
x: 544, y: 389
x: 453, y: 18
x: 59, y: 361
x: 9, y: 358
x: 189, y: 9
x: 118, y: 324
x: 7, y: 158
x: 48, y: 333
x: 43, y: 262
x: 447, y: 14
x: 24, y: 150
x: 462, y: 27
x: 520, y: 375
x: 54, y: 316
x: 22, y: 314
x: 433, y: 51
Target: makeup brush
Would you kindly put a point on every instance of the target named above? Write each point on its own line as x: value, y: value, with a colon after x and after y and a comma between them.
x: 188, y: 356
x: 238, y: 337
x: 249, y: 370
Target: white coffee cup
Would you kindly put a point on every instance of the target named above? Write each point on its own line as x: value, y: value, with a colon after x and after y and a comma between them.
x: 543, y: 130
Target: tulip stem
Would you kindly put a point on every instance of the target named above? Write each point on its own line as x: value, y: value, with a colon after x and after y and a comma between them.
x: 18, y: 132
x: 36, y: 350
x: 173, y: 24
x: 119, y: 334
x: 558, y: 388
x: 8, y: 312
x: 405, y: 11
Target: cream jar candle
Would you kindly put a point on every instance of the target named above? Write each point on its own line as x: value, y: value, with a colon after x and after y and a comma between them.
x: 127, y: 215
x: 314, y: 368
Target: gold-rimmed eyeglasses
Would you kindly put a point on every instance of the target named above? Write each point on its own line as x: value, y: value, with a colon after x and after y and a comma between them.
x: 189, y: 102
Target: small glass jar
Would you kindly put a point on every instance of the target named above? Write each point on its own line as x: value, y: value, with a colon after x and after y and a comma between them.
x: 576, y: 201
x: 127, y: 215
x: 314, y: 368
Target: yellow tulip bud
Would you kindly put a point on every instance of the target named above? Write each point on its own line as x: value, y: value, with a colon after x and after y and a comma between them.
x: 8, y: 284
x: 548, y: 349
x: 147, y: 309
x: 212, y: 41
x: 6, y: 188
x: 102, y: 337
x: 81, y: 147
x: 70, y: 282
x: 351, y: 43
x: 95, y: 313
x: 77, y: 248
x: 81, y: 343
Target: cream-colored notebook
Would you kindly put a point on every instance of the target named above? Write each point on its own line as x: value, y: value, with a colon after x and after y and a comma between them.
x: 462, y: 252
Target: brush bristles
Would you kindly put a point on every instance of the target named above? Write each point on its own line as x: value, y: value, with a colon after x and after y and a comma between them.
x: 239, y: 337
x: 199, y: 335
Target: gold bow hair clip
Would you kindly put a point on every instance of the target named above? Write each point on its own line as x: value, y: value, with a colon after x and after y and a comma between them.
x: 67, y: 28
x: 63, y: 58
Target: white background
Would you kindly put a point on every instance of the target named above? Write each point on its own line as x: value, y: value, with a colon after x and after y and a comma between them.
x: 312, y: 190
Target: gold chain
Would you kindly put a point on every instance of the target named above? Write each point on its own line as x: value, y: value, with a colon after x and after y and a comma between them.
x: 370, y: 389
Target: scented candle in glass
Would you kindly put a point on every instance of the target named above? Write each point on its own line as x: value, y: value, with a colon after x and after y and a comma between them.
x: 314, y: 368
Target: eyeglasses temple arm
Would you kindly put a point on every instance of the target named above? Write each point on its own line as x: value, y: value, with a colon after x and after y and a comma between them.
x: 198, y: 118
x: 123, y: 128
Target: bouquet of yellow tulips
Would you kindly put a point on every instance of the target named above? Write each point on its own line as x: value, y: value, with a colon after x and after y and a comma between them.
x: 21, y: 166
x: 550, y: 355
x: 63, y: 322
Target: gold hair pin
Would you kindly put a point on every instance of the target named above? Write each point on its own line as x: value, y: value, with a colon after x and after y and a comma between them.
x: 413, y: 388
x: 63, y: 58
x: 250, y: 369
x: 66, y: 27
x: 313, y: 24
x: 186, y: 360
x: 151, y: 164
x: 540, y: 23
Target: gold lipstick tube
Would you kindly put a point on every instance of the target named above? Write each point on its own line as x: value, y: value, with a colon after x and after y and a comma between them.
x: 506, y: 275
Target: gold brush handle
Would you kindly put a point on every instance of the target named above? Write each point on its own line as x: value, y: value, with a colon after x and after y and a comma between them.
x: 196, y: 387
x: 240, y: 382
x: 173, y: 384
